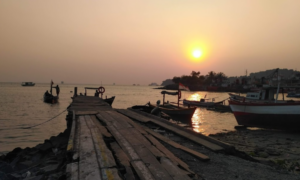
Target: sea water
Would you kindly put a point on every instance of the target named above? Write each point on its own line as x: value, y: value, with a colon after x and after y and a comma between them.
x: 22, y: 107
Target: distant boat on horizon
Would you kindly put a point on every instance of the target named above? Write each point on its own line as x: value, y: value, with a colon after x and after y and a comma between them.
x: 62, y: 82
x: 28, y: 84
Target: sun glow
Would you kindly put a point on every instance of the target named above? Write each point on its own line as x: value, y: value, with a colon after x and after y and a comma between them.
x: 197, y: 53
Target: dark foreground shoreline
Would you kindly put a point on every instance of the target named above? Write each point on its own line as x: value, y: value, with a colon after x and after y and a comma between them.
x: 260, y: 154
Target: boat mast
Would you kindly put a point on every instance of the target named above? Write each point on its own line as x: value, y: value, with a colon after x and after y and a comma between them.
x: 278, y: 85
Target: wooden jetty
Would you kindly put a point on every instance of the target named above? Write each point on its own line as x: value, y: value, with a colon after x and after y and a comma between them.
x: 106, y: 143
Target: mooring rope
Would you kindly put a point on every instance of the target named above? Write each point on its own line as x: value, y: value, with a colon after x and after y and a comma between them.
x: 45, y: 121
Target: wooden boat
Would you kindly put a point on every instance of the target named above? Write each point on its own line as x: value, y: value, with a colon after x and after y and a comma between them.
x: 110, y: 100
x: 203, y: 102
x: 99, y: 91
x: 221, y: 108
x: 49, y: 97
x: 176, y: 113
x: 28, y: 84
x: 265, y: 110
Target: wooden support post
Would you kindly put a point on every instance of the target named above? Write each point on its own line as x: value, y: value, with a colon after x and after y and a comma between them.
x: 75, y: 92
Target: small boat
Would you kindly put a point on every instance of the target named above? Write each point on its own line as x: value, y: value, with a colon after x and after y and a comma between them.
x: 98, y: 91
x: 203, y: 102
x: 49, y: 97
x: 28, y: 84
x: 176, y: 113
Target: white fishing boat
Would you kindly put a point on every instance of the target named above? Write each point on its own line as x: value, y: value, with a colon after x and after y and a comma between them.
x: 265, y: 110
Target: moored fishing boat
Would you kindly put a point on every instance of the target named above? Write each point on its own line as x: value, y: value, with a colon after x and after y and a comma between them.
x: 176, y: 113
x: 49, y: 97
x: 203, y: 102
x: 99, y: 91
x: 265, y: 110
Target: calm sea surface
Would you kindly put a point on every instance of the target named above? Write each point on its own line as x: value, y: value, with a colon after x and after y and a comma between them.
x: 22, y: 107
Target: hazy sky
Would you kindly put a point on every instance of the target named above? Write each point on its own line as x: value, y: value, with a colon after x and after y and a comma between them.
x: 127, y: 42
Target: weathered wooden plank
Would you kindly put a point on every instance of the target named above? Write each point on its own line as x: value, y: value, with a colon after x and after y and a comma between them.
x: 101, y: 128
x: 104, y: 156
x: 76, y: 140
x: 198, y: 140
x: 176, y: 145
x: 123, y: 159
x: 157, y: 171
x: 122, y: 142
x: 115, y: 122
x: 88, y: 165
x: 70, y: 146
x: 141, y: 170
x: 169, y: 154
x: 110, y: 174
x: 173, y: 170
x: 134, y: 115
x: 86, y: 112
x: 120, y: 118
x: 72, y: 171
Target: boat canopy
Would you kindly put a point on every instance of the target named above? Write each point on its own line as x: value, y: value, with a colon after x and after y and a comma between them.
x: 169, y: 93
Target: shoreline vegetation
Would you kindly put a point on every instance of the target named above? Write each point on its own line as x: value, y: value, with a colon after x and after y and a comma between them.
x: 219, y: 82
x: 258, y: 154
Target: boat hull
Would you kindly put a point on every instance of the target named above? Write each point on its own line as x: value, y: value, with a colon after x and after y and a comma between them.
x: 178, y: 114
x: 198, y: 103
x: 110, y: 100
x: 267, y: 115
x: 50, y: 99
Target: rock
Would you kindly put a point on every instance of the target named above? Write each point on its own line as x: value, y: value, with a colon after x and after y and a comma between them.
x: 263, y: 154
x: 46, y: 146
x: 5, y: 167
x: 50, y: 169
x: 37, y: 157
x: 12, y: 155
x: 3, y: 176
x: 23, y: 165
x: 39, y: 177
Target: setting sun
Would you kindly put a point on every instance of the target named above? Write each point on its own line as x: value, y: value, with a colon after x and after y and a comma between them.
x: 197, y: 53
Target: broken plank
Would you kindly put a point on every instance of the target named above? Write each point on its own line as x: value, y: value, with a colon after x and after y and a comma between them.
x: 152, y: 163
x: 176, y: 145
x: 123, y: 159
x: 101, y: 128
x: 173, y: 170
x: 169, y: 154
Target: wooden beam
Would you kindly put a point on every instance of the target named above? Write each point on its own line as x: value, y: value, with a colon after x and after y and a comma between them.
x: 88, y: 165
x: 72, y: 171
x: 178, y: 146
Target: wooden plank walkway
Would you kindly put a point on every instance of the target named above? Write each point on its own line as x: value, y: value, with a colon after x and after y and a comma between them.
x: 105, y: 144
x: 170, y: 127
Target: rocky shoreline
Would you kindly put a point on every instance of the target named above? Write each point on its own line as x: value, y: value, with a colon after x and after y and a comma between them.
x: 44, y: 161
x: 276, y: 148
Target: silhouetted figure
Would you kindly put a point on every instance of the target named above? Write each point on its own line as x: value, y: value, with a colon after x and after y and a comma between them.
x: 96, y: 94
